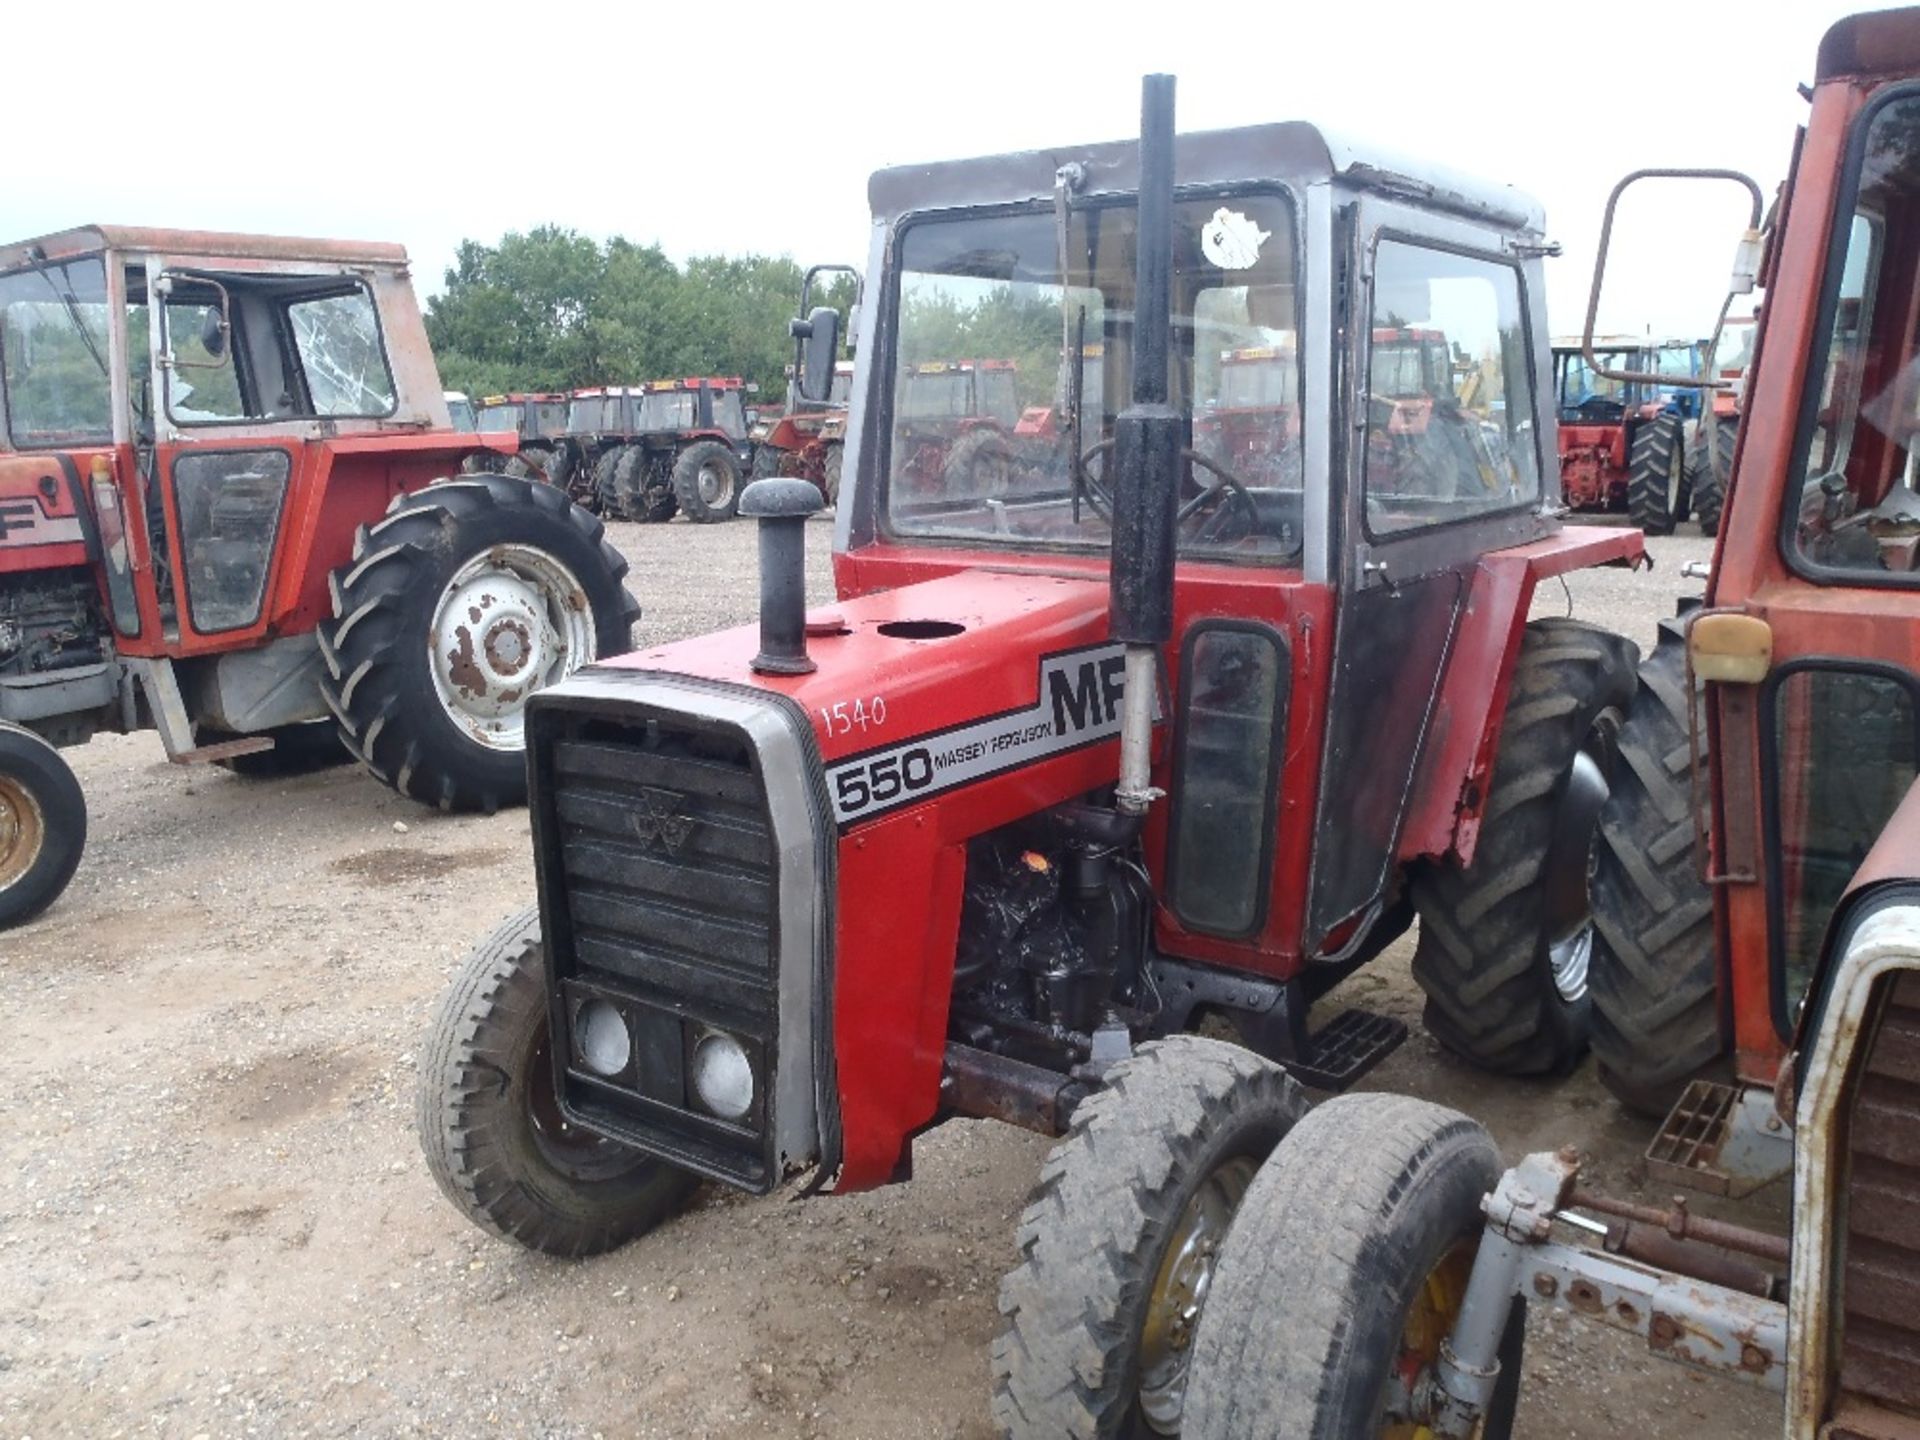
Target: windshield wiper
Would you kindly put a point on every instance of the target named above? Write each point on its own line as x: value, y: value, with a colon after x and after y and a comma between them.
x: 72, y: 305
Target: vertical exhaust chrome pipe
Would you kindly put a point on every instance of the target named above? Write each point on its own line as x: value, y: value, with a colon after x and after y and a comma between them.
x: 1146, y: 454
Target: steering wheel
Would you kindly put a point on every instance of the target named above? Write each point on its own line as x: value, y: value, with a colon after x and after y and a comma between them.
x: 1100, y: 499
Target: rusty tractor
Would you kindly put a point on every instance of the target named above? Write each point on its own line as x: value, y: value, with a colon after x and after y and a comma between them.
x: 1755, y: 971
x: 222, y: 516
x: 535, y: 421
x: 1623, y: 446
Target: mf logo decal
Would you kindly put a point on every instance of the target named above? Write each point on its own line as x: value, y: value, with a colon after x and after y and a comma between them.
x: 1078, y: 704
x: 658, y: 821
x: 21, y: 524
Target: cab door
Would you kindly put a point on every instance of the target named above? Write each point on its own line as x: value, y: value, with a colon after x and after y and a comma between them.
x: 1432, y: 482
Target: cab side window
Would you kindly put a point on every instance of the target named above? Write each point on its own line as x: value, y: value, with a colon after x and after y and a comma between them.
x: 1448, y: 392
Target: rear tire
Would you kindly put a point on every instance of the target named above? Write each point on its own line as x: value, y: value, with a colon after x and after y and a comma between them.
x: 1504, y: 942
x: 1346, y: 1257
x: 1118, y: 1238
x: 428, y: 705
x: 1657, y: 488
x: 530, y: 463
x: 979, y: 465
x: 606, y: 491
x: 1710, y: 481
x: 1655, y: 974
x: 43, y: 824
x: 560, y: 468
x: 491, y: 1129
x: 766, y: 462
x: 632, y: 474
x: 706, y: 482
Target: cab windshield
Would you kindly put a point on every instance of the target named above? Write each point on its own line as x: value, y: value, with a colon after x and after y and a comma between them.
x: 500, y: 417
x: 992, y: 325
x: 53, y: 353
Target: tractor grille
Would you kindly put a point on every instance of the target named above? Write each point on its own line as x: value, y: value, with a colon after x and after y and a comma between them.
x: 1880, y: 1344
x: 659, y: 889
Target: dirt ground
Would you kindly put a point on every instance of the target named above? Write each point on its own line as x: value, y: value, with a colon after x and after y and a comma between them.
x: 215, y: 1221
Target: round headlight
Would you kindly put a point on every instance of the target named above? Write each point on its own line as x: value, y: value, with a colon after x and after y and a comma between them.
x: 600, y: 1032
x: 722, y: 1076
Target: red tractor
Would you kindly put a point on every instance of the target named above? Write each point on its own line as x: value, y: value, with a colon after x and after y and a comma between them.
x: 536, y: 421
x: 1756, y: 972
x: 1253, y: 428
x: 1623, y: 446
x: 808, y: 439
x: 1150, y: 744
x: 219, y: 518
x: 956, y: 419
x: 599, y: 422
x: 688, y: 452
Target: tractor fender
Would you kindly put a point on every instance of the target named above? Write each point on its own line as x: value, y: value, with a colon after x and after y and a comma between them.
x: 1456, y: 768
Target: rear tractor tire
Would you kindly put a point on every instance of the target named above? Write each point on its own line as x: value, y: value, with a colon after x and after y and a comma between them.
x: 1345, y: 1271
x: 979, y: 466
x: 1709, y: 481
x: 706, y: 482
x: 530, y: 463
x: 491, y: 1126
x: 43, y: 824
x: 467, y: 598
x: 1658, y: 493
x: 1505, y: 942
x: 836, y: 453
x: 1655, y: 975
x: 1118, y: 1240
x: 632, y: 473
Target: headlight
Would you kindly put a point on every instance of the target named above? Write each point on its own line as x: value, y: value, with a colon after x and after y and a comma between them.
x: 600, y: 1034
x: 722, y: 1076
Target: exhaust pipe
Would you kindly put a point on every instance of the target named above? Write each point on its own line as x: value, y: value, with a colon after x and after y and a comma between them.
x: 1146, y: 455
x: 782, y: 507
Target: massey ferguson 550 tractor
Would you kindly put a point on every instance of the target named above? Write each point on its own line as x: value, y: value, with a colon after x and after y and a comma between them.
x: 218, y: 519
x: 1765, y: 984
x: 1138, y: 745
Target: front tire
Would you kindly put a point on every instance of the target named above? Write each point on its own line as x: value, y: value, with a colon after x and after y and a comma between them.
x: 1118, y: 1239
x: 43, y: 824
x: 706, y: 482
x: 1655, y: 975
x: 491, y: 1126
x: 468, y: 597
x: 1657, y: 489
x: 1505, y: 942
x: 1344, y: 1272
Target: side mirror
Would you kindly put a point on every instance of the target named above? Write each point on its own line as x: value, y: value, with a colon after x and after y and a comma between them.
x: 1746, y: 265
x: 216, y: 329
x: 213, y: 335
x: 816, y: 347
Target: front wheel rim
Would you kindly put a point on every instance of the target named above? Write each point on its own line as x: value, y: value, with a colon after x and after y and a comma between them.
x: 23, y: 832
x: 1180, y: 1289
x: 1430, y: 1319
x: 511, y: 621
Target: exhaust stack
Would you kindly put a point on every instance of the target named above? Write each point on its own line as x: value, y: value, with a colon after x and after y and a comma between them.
x: 782, y: 507
x: 1147, y: 442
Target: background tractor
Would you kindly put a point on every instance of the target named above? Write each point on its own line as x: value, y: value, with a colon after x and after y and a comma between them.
x: 808, y: 438
x: 219, y: 518
x: 1146, y: 744
x: 599, y: 422
x: 1756, y: 965
x: 1623, y: 446
x: 535, y: 421
x: 688, y: 453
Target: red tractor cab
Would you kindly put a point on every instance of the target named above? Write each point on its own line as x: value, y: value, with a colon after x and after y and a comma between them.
x: 1076, y: 766
x: 220, y: 518
x: 1253, y: 426
x: 687, y: 454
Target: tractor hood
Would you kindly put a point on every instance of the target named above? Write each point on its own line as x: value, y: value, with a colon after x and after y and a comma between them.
x: 929, y: 687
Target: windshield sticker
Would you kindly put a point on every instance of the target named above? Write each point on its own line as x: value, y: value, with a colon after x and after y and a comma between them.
x: 1231, y: 240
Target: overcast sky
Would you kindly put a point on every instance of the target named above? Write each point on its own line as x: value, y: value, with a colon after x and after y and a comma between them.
x: 753, y: 128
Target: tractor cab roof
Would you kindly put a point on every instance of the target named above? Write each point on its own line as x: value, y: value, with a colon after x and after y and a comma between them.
x: 208, y: 244
x: 1880, y: 43
x: 1288, y: 152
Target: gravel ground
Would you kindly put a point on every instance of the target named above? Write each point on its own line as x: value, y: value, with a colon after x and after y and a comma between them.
x: 214, y: 1219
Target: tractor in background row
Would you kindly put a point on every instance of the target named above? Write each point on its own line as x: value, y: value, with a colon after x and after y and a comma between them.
x: 536, y: 421
x: 1132, y: 736
x: 600, y: 421
x: 460, y: 412
x: 1623, y: 446
x: 808, y: 439
x: 1755, y: 971
x: 687, y: 453
x: 223, y: 516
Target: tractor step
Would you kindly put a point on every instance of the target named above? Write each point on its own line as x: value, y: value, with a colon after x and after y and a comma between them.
x: 1346, y: 1048
x: 225, y: 750
x: 1721, y: 1140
